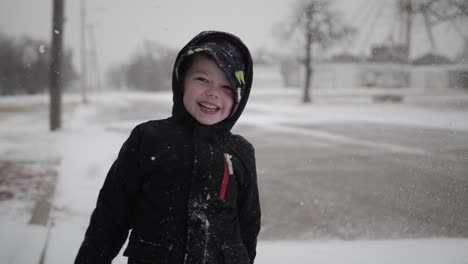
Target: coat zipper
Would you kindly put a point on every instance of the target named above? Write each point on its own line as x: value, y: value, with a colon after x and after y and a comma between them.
x: 227, y: 171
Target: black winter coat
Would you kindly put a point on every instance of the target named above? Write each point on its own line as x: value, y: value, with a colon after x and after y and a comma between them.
x: 187, y: 192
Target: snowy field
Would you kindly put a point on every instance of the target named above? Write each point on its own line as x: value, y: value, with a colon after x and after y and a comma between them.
x: 83, y: 151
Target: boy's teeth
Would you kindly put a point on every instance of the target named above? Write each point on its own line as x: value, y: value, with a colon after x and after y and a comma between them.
x: 211, y: 107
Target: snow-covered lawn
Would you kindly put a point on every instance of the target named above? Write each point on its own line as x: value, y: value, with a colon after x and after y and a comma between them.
x: 86, y: 148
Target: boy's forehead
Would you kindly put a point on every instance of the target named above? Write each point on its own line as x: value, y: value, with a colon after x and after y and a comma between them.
x: 200, y: 60
x: 203, y: 63
x: 201, y: 56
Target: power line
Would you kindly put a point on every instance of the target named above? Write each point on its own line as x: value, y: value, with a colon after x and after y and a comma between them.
x: 358, y: 12
x: 359, y: 21
x: 395, y: 21
x: 373, y: 21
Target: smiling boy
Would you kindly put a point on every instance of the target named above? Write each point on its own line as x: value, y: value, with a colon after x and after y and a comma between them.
x: 185, y: 186
x: 208, y: 95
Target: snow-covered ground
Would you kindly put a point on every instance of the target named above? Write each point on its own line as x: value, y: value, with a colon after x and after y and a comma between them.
x: 84, y: 150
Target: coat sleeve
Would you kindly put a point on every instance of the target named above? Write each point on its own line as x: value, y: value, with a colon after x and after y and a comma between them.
x: 249, y: 204
x: 111, y: 219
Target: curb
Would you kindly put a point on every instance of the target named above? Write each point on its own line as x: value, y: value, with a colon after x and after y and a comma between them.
x: 42, y: 208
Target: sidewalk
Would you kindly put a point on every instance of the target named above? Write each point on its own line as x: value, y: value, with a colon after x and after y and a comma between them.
x: 29, y: 163
x: 88, y: 152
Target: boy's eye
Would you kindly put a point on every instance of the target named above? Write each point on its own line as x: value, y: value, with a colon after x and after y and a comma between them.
x: 201, y: 79
x: 228, y: 90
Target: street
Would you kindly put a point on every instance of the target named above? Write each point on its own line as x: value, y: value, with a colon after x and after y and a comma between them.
x: 349, y: 180
x: 312, y: 188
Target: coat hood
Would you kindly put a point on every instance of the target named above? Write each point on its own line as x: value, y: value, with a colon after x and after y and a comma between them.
x: 232, y: 56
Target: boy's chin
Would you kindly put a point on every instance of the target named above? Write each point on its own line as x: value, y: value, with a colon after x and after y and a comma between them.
x: 208, y: 121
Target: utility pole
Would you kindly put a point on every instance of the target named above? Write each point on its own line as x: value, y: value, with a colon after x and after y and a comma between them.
x: 56, y: 66
x: 84, y: 83
x: 409, y: 22
x: 96, y: 80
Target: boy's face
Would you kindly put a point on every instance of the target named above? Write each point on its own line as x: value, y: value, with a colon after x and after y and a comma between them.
x: 207, y: 93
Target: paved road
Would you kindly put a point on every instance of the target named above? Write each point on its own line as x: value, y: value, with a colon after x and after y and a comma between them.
x: 312, y: 188
x: 388, y: 182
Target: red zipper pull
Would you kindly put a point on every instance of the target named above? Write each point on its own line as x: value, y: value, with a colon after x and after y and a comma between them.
x: 227, y: 172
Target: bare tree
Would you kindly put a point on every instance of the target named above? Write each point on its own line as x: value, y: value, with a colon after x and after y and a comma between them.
x: 316, y: 22
x: 25, y: 65
x: 435, y: 12
x: 454, y: 12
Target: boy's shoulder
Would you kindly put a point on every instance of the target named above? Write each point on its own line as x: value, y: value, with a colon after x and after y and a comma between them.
x: 151, y: 128
x: 155, y: 124
x: 239, y: 142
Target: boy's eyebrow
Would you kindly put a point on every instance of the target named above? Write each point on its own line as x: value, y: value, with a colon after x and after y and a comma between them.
x: 198, y: 71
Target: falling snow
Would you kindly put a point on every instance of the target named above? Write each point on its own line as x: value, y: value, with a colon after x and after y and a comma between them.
x: 87, y: 149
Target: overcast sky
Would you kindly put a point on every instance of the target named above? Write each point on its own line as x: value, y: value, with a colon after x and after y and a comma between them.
x: 121, y: 26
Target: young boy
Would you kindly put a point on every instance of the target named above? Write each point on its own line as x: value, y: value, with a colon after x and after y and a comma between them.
x: 185, y: 186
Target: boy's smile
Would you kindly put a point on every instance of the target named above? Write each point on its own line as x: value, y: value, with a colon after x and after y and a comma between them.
x: 207, y: 92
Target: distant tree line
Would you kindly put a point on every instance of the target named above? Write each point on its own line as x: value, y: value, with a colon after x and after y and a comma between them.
x: 149, y: 69
x: 24, y: 65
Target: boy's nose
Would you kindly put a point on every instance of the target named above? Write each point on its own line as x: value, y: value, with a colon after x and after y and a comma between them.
x: 212, y: 92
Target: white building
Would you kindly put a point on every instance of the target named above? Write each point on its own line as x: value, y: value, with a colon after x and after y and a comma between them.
x: 337, y: 75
